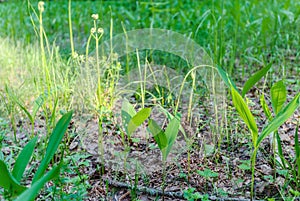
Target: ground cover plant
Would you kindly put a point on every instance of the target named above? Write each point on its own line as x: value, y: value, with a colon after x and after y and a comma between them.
x: 144, y: 100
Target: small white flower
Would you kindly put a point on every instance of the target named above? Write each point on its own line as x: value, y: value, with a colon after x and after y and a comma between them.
x: 95, y: 16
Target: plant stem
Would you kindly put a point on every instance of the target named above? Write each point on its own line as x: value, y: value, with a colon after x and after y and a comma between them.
x: 70, y: 29
x: 253, y: 161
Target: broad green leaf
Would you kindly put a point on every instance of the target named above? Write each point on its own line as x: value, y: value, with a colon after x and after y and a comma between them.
x: 128, y: 108
x: 53, y: 144
x: 170, y: 116
x: 33, y: 191
x: 278, y: 96
x: 254, y: 79
x: 23, y: 159
x: 158, y: 134
x: 127, y: 112
x: 8, y: 182
x: 280, y: 118
x: 245, y: 113
x: 138, y: 119
x: 265, y: 107
x: 225, y: 77
x: 171, y: 134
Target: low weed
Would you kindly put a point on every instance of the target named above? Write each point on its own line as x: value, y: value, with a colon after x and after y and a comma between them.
x: 11, y: 180
x: 245, y: 113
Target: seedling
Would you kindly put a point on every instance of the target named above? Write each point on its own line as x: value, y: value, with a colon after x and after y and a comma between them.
x: 131, y: 120
x: 165, y: 139
x: 207, y: 174
x: 10, y: 181
x: 245, y: 113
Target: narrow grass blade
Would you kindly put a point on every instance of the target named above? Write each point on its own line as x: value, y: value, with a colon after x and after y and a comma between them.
x: 278, y: 96
x: 280, y: 152
x: 280, y: 118
x: 34, y: 190
x: 158, y: 134
x: 138, y: 119
x: 8, y: 182
x: 17, y: 101
x: 297, y: 148
x: 171, y: 133
x: 265, y: 107
x: 38, y: 104
x: 23, y: 159
x: 225, y: 77
x: 53, y: 143
x: 254, y: 79
x: 245, y: 113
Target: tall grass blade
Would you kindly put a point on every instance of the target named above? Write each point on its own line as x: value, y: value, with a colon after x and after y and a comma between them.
x: 245, y: 113
x: 23, y: 159
x: 53, y: 144
x: 8, y: 182
x: 280, y: 118
x: 278, y: 96
x: 15, y: 99
x: 33, y: 191
x: 255, y: 78
x: 297, y: 149
x: 38, y: 104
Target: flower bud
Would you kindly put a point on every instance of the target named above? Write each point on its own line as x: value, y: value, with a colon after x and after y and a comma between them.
x: 41, y: 6
x: 95, y: 16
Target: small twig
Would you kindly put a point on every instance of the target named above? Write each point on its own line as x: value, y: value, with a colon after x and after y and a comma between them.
x: 156, y: 192
x: 124, y: 195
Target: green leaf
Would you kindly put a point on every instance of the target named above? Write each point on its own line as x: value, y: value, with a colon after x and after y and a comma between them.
x: 33, y: 191
x: 171, y: 133
x: 8, y: 182
x: 158, y: 134
x: 254, y: 79
x: 127, y: 112
x: 128, y: 108
x: 280, y: 118
x: 53, y: 144
x: 297, y: 148
x: 225, y: 77
x: 278, y: 96
x: 138, y: 119
x: 207, y: 173
x: 280, y: 152
x: 38, y: 103
x: 170, y: 116
x: 245, y: 113
x: 23, y: 159
x: 265, y: 107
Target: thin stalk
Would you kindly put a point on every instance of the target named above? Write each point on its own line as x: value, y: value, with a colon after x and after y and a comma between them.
x: 164, y: 179
x: 141, y: 78
x: 253, y: 162
x: 71, y: 30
